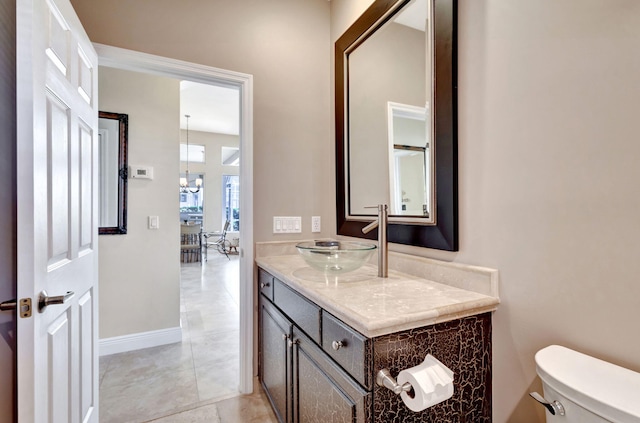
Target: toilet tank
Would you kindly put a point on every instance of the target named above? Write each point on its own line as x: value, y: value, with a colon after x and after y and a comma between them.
x: 591, y: 390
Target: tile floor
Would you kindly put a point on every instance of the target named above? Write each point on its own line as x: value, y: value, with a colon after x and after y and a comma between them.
x: 195, y: 380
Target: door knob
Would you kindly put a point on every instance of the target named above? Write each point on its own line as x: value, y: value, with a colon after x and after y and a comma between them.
x: 45, y: 300
x: 24, y: 309
x: 8, y: 305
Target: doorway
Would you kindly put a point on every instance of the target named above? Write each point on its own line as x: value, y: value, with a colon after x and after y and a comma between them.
x: 144, y: 63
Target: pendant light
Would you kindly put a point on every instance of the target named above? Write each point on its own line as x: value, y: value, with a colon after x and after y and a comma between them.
x: 184, y: 182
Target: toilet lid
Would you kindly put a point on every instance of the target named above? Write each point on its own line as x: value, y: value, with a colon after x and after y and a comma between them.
x: 603, y: 388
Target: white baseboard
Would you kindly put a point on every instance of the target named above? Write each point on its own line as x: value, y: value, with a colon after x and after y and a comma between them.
x: 138, y: 341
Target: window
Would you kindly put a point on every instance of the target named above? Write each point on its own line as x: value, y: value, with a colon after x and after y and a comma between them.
x: 230, y: 156
x: 231, y: 200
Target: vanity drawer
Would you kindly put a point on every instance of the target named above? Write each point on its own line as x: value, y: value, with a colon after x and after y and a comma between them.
x: 303, y: 312
x: 265, y: 284
x: 347, y: 347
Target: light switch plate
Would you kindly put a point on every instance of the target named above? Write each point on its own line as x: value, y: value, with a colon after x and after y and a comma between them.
x: 154, y: 222
x: 287, y: 224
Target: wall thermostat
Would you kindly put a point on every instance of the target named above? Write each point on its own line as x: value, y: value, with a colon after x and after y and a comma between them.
x: 141, y: 172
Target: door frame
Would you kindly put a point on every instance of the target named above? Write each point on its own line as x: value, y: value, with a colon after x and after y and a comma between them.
x: 118, y: 58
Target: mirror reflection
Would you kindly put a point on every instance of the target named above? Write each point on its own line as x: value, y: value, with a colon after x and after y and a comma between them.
x: 409, y: 179
x: 112, y: 182
x: 388, y: 125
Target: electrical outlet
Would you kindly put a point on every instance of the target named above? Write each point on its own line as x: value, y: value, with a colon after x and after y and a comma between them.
x: 315, y: 224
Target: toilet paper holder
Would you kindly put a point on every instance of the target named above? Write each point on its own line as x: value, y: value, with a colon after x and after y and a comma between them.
x: 384, y: 379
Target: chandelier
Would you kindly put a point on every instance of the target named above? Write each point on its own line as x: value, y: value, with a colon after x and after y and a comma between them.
x: 184, y: 182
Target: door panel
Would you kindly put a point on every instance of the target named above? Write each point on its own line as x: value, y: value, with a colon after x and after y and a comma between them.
x: 58, y: 40
x: 59, y: 382
x: 323, y: 392
x: 319, y: 399
x: 58, y: 189
x: 86, y: 184
x: 87, y: 352
x: 275, y: 331
x: 57, y: 121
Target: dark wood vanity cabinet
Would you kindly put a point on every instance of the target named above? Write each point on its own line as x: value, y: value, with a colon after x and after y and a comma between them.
x: 275, y: 359
x: 316, y: 369
x: 301, y: 381
x: 322, y: 391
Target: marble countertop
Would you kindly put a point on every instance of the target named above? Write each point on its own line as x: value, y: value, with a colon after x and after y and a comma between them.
x: 378, y: 306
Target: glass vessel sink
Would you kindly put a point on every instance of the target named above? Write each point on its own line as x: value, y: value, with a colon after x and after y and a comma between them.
x: 335, y: 257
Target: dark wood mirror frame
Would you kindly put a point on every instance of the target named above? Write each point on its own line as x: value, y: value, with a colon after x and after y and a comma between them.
x: 444, y: 234
x: 123, y: 134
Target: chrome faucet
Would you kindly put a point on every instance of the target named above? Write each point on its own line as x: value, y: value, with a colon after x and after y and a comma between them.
x: 381, y: 224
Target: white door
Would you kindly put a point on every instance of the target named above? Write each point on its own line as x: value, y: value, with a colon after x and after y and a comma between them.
x: 57, y: 214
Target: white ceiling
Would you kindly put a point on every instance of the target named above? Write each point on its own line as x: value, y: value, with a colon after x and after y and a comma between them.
x: 414, y: 15
x: 212, y: 108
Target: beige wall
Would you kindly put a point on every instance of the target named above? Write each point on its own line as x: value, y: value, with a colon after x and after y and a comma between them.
x: 213, y: 171
x: 284, y: 44
x: 549, y: 94
x: 140, y: 271
x: 7, y: 203
x: 547, y: 153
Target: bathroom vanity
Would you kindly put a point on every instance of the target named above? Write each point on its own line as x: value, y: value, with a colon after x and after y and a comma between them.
x: 322, y: 339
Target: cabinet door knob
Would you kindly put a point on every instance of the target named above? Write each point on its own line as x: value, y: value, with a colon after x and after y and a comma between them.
x: 285, y: 336
x: 264, y: 285
x: 336, y: 345
x: 293, y: 342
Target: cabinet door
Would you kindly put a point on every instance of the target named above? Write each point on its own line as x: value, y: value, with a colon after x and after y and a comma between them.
x: 324, y: 393
x: 275, y: 370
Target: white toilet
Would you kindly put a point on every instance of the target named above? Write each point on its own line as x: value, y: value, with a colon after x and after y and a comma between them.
x: 585, y: 389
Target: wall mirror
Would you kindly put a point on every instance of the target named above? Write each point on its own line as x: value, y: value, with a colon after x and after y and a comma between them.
x: 396, y: 122
x: 112, y: 181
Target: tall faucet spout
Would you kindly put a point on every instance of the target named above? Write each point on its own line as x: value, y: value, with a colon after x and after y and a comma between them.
x: 383, y: 254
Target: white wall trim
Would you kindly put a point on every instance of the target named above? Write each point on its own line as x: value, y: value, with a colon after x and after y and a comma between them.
x: 119, y: 58
x: 142, y: 62
x: 138, y: 341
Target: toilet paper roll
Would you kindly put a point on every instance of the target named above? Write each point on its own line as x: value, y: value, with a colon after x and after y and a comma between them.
x: 432, y: 383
